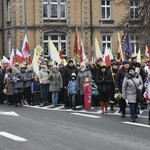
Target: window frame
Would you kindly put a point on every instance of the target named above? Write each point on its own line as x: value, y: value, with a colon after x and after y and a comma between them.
x: 106, y: 42
x: 59, y: 41
x: 8, y: 10
x: 49, y: 4
x: 134, y: 7
x: 9, y: 44
x: 134, y: 43
x: 105, y: 8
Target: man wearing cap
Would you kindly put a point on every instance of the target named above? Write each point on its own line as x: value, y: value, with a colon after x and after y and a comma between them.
x: 118, y: 84
x: 69, y: 69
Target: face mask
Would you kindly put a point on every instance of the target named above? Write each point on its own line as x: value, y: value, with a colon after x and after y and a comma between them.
x: 132, y: 75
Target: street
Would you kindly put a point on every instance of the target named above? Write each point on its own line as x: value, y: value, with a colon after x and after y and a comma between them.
x: 38, y: 128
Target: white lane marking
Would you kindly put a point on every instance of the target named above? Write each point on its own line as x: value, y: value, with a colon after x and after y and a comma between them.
x: 85, y: 115
x: 137, y: 124
x: 10, y: 113
x: 82, y: 111
x: 13, y: 137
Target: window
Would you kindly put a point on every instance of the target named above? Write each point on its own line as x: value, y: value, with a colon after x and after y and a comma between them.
x: 106, y: 42
x: 8, y: 10
x: 54, y: 9
x: 134, y: 9
x: 106, y: 9
x: 135, y: 43
x: 9, y: 44
x: 58, y: 40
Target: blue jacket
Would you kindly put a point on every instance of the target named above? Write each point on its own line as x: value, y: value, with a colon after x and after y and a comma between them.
x: 72, y: 87
x: 35, y: 87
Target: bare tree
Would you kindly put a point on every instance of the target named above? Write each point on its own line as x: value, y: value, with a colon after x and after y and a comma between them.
x: 138, y: 21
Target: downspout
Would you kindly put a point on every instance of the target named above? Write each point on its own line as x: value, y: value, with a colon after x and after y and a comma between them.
x: 3, y: 26
x: 91, y: 22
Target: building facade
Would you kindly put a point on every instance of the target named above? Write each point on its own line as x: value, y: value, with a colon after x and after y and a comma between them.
x: 58, y: 19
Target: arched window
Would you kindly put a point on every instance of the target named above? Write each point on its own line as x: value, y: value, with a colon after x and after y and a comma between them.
x: 59, y: 41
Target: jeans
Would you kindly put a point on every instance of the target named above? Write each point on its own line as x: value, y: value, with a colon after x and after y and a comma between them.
x: 133, y: 110
x: 55, y: 98
x: 36, y: 98
x: 27, y: 94
x: 45, y: 92
x: 73, y: 100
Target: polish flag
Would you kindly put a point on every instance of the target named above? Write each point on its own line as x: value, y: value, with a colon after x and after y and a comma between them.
x: 60, y: 51
x: 18, y: 56
x: 12, y: 58
x: 25, y: 47
x: 107, y: 57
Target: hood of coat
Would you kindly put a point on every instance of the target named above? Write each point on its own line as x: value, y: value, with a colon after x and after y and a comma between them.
x: 129, y: 76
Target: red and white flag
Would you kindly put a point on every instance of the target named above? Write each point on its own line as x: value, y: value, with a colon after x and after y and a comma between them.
x: 18, y: 56
x: 25, y: 47
x: 12, y: 58
x: 60, y: 51
x: 107, y: 57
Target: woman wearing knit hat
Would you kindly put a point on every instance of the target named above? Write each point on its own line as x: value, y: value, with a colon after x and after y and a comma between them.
x: 104, y: 80
x: 131, y: 83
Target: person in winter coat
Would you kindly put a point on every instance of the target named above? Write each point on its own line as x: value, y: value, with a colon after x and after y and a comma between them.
x: 29, y: 74
x: 131, y: 82
x: 18, y: 80
x: 82, y: 74
x: 147, y: 95
x: 2, y: 84
x: 87, y: 87
x: 35, y: 90
x: 113, y: 70
x: 62, y: 94
x: 72, y: 91
x: 103, y: 81
x: 10, y: 87
x: 93, y: 70
x: 44, y: 80
x: 121, y: 72
x: 56, y: 84
x: 69, y: 69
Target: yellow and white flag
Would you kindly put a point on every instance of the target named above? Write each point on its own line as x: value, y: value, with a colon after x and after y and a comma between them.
x: 53, y: 52
x: 139, y: 56
x: 110, y: 54
x: 98, y: 52
x: 35, y: 61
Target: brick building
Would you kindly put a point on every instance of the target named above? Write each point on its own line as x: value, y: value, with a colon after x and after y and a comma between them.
x: 58, y: 19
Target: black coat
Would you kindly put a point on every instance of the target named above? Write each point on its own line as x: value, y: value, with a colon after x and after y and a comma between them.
x: 68, y: 71
x: 2, y: 84
x: 93, y: 73
x: 119, y: 79
x: 104, y: 81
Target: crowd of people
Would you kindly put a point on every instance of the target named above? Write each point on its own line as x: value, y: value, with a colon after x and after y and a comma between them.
x: 86, y: 84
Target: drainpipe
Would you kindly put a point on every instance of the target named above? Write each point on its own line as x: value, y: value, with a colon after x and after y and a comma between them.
x: 3, y: 26
x: 91, y: 29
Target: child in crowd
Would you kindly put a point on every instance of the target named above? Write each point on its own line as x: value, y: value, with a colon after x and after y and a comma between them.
x: 147, y: 95
x: 87, y: 93
x: 72, y: 90
x: 35, y: 90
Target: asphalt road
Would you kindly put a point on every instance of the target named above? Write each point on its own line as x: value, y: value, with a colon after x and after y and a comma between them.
x: 47, y: 129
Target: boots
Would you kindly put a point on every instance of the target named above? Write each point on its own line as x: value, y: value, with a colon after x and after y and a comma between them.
x: 102, y: 107
x: 106, y: 106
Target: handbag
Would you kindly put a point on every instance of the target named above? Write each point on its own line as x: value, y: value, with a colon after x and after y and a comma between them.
x: 138, y: 93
